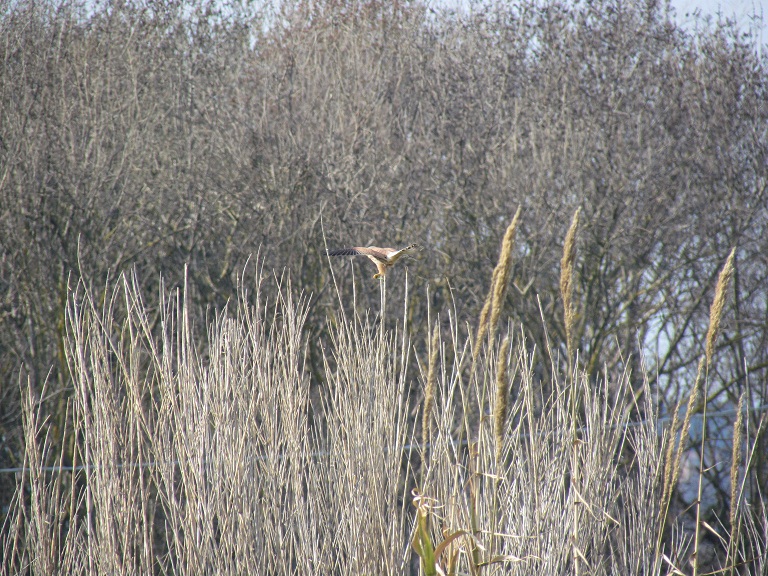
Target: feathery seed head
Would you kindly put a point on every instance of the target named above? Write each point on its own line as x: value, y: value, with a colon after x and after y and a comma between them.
x: 716, y: 310
x: 735, y: 459
x: 566, y: 278
x: 502, y: 271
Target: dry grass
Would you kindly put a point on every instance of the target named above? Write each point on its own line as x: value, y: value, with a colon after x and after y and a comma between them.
x: 429, y: 389
x: 237, y: 477
x: 489, y: 316
x: 203, y: 451
x: 566, y: 281
x: 715, y: 316
x: 716, y: 310
x: 501, y: 406
x: 530, y: 473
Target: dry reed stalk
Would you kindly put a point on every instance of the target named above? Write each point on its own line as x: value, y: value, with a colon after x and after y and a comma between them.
x: 566, y: 280
x: 716, y: 310
x: 669, y: 457
x: 504, y: 266
x: 735, y: 459
x: 733, y: 538
x: 489, y: 316
x: 566, y: 291
x: 689, y: 410
x: 429, y: 389
x: 502, y: 400
x: 485, y: 313
x: 672, y: 470
x: 715, y: 315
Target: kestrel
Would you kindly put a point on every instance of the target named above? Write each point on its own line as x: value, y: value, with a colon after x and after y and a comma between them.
x: 384, y: 258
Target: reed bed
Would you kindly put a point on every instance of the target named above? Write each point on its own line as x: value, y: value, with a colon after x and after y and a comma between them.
x: 206, y: 449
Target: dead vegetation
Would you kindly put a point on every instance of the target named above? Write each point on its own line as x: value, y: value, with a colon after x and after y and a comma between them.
x: 148, y: 140
x: 200, y: 449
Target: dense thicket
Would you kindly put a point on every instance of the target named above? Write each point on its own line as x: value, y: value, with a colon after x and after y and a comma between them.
x: 151, y: 135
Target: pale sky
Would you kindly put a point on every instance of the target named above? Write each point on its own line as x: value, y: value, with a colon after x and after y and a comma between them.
x: 743, y: 10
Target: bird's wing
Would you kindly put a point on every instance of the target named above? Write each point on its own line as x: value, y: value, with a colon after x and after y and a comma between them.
x: 395, y: 254
x: 343, y: 252
x: 372, y: 252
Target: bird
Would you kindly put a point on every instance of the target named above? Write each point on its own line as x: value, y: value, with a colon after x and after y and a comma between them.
x: 384, y: 258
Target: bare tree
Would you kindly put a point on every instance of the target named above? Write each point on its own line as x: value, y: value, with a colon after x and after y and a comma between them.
x: 153, y: 136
